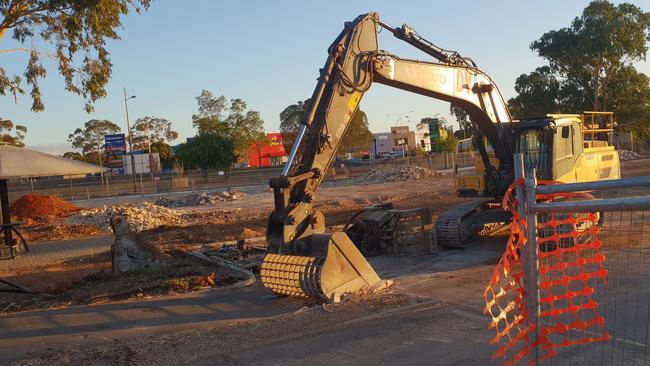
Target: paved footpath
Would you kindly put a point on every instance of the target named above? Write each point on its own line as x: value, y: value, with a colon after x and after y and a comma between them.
x: 54, y: 251
x: 37, y: 331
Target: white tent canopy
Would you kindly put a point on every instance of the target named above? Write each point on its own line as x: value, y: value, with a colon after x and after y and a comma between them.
x: 18, y: 162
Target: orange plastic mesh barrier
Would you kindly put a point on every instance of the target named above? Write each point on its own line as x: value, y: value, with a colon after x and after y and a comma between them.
x: 569, y: 264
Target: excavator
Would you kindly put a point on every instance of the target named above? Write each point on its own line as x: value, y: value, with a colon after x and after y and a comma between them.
x: 303, y: 260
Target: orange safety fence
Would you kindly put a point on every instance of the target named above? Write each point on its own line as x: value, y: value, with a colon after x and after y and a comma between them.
x: 569, y: 263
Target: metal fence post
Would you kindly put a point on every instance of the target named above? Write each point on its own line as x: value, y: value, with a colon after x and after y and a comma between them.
x: 531, y: 264
x: 525, y: 196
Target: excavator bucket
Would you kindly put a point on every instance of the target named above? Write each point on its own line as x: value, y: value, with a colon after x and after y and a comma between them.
x: 326, y: 266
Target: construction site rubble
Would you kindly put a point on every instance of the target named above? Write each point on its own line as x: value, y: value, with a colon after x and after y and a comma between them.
x: 389, y: 174
x: 200, y: 199
x: 140, y: 216
x: 628, y: 155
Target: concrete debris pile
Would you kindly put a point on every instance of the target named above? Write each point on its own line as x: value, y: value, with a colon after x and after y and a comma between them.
x: 200, y: 199
x: 628, y: 155
x: 384, y: 174
x: 140, y: 216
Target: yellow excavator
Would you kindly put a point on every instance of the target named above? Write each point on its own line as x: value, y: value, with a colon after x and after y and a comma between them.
x: 303, y: 260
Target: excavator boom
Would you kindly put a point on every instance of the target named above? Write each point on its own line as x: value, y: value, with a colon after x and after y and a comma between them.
x: 302, y: 259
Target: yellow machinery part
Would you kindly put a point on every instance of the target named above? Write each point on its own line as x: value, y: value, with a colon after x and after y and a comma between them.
x: 339, y: 269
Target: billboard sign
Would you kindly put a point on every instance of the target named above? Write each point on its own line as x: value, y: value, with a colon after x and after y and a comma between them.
x: 115, y: 146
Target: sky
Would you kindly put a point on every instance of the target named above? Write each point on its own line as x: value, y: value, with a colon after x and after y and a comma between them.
x: 268, y: 53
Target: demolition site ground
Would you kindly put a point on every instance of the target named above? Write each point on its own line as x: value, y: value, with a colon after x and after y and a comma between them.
x: 202, y: 310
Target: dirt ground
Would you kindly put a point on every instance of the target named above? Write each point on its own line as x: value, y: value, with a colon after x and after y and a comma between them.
x: 208, y: 225
x: 75, y: 281
x: 453, y: 303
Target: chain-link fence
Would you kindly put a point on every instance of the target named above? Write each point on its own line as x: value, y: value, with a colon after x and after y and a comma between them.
x: 111, y: 186
x: 572, y: 287
x: 611, y: 324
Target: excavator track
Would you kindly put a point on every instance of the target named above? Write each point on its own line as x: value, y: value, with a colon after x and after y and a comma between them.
x: 450, y: 231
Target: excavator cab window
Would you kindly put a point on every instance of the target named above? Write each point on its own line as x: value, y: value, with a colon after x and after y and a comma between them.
x: 535, y: 145
x: 564, y: 154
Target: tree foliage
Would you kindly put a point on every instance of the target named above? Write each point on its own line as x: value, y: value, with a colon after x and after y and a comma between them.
x: 229, y: 119
x: 90, y: 139
x: 151, y: 130
x: 357, y: 137
x: 290, y: 119
x: 207, y: 151
x: 596, y: 46
x: 11, y: 134
x: 73, y: 155
x: 538, y: 94
x: 77, y: 30
x: 466, y: 127
x: 590, y: 67
x: 164, y: 152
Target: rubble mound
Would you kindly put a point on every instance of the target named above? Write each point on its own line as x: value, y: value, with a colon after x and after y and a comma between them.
x: 628, y: 155
x: 36, y: 206
x: 200, y: 199
x: 383, y: 174
x: 140, y: 216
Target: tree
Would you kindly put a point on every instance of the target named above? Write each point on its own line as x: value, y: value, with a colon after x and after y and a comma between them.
x: 632, y: 101
x: 358, y: 135
x: 232, y: 121
x: 10, y: 134
x: 290, y: 119
x: 538, y: 94
x: 150, y: 130
x: 78, y: 31
x: 207, y: 151
x: 590, y: 68
x: 210, y: 106
x: 73, y: 155
x: 90, y: 139
x: 598, y: 45
x: 466, y: 127
x: 164, y: 152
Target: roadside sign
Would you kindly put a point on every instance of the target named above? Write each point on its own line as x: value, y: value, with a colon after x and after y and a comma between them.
x: 115, y: 147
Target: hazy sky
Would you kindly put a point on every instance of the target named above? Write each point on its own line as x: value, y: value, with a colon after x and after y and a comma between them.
x: 269, y: 52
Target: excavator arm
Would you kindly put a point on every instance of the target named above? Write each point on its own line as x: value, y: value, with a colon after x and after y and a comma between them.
x: 354, y: 63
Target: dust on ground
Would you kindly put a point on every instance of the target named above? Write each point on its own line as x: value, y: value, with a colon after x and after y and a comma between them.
x: 89, y: 280
x: 203, y: 227
x: 216, y: 343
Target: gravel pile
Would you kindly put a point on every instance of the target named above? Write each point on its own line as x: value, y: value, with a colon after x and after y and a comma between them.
x: 628, y: 155
x: 140, y: 216
x: 387, y: 174
x: 200, y: 199
x: 383, y: 174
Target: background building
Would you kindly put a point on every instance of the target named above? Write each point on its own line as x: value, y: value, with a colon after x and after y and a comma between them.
x: 382, y: 142
x: 403, y: 138
x: 267, y: 153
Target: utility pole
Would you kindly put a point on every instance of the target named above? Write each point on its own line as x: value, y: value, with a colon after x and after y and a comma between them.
x: 128, y: 127
x: 149, y: 148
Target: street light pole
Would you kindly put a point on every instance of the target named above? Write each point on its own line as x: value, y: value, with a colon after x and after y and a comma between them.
x: 128, y: 126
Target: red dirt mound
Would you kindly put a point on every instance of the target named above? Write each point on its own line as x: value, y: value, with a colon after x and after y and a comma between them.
x: 36, y: 206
